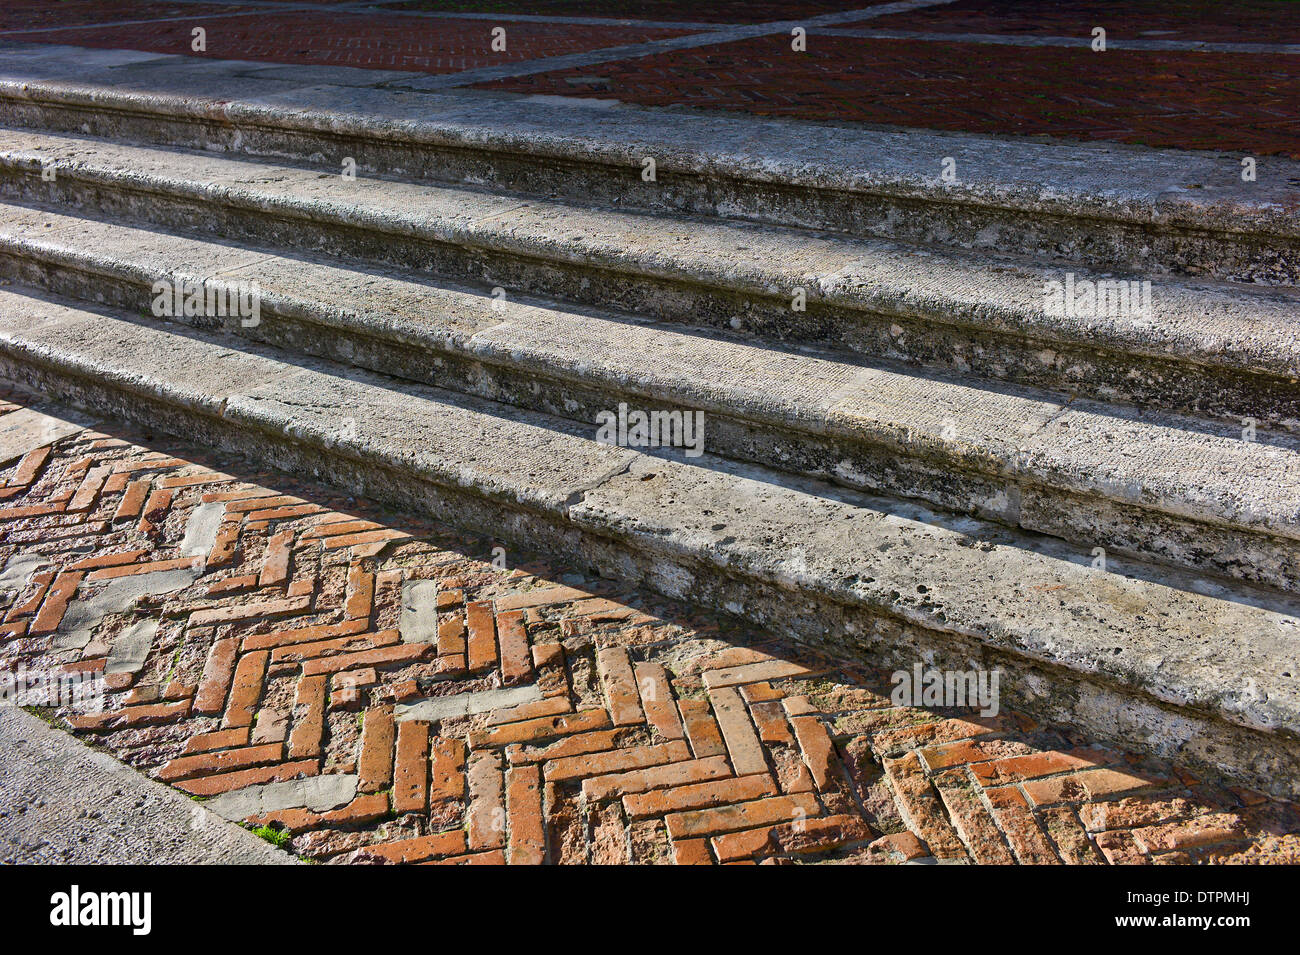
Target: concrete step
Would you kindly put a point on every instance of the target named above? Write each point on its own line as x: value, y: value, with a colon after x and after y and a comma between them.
x: 1141, y: 655
x: 1169, y: 488
x: 1099, y: 205
x: 1216, y: 350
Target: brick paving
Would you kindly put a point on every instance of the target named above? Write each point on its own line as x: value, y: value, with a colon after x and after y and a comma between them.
x: 633, y: 730
x: 1258, y: 21
x: 719, y: 11
x: 1190, y: 100
x: 41, y: 14
x: 1180, y: 100
x: 368, y: 41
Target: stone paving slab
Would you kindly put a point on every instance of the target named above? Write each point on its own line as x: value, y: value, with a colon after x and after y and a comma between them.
x: 63, y: 803
x: 590, y: 722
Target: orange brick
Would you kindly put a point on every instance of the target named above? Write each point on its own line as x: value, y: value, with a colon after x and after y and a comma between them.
x: 308, y: 718
x: 482, y: 643
x: 738, y: 731
x: 699, y: 796
x: 204, y: 764
x: 745, y: 815
x: 516, y: 661
x: 615, y: 670
x: 487, y: 812
x: 275, y: 563
x: 537, y: 730
x: 225, y: 782
x: 411, y: 773
x: 377, y: 737
x: 246, y: 689
x: 527, y: 842
x: 217, y: 673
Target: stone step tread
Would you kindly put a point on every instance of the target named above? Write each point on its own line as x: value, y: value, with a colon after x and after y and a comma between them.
x: 1228, y: 324
x: 1162, y: 462
x: 1222, y: 654
x: 1190, y: 189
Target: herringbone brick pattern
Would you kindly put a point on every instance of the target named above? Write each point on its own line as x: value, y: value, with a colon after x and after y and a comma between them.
x: 1180, y: 100
x: 719, y: 11
x: 631, y: 729
x: 1205, y: 21
x: 367, y: 41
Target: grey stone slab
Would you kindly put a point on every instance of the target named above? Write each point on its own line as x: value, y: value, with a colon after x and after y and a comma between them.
x: 17, y: 573
x: 1117, y: 179
x: 418, y: 621
x: 849, y: 567
x: 27, y: 429
x: 130, y: 648
x: 466, y: 704
x: 116, y: 596
x: 316, y: 793
x: 201, y: 529
x: 62, y: 803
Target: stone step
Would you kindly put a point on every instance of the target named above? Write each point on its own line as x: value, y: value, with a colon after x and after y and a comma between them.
x: 1210, y: 349
x: 1100, y: 205
x: 1169, y: 488
x: 1138, y: 654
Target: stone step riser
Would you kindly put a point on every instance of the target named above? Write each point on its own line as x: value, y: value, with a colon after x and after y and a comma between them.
x: 941, y: 217
x: 1114, y: 712
x: 872, y: 466
x: 933, y: 340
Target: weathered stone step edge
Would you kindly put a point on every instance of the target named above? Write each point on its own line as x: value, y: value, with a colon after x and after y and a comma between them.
x: 862, y: 312
x: 1137, y: 662
x: 577, y: 365
x: 872, y: 182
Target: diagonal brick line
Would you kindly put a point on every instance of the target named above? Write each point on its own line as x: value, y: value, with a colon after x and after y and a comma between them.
x: 533, y: 721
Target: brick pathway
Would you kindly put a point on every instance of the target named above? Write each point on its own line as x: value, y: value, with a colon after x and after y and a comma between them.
x: 527, y: 714
x: 1239, y: 101
x: 369, y: 41
x: 1258, y: 21
x: 1182, y: 100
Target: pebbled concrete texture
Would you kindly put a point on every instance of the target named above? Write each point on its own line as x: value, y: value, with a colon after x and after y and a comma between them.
x: 63, y: 803
x: 1113, y: 205
x: 806, y: 558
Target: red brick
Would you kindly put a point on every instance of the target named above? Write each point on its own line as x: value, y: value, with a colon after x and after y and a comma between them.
x: 217, y: 674
x: 527, y: 842
x: 246, y: 689
x: 376, y: 764
x: 743, y: 746
x: 615, y: 670
x: 411, y: 775
x: 307, y: 736
x: 745, y: 815
x: 487, y: 811
x: 55, y: 604
x: 516, y: 661
x: 615, y: 761
x: 204, y: 764
x: 698, y: 796
x: 275, y: 562
x: 225, y: 782
x: 482, y: 645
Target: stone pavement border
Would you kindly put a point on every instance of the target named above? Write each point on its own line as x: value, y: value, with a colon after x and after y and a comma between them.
x: 62, y: 802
